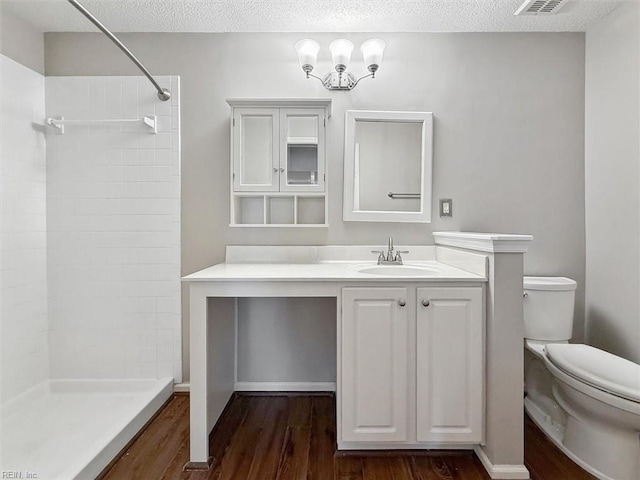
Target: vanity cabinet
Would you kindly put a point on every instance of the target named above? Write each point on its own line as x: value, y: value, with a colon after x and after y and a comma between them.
x: 449, y: 365
x: 278, y: 172
x: 412, y: 365
x: 375, y: 338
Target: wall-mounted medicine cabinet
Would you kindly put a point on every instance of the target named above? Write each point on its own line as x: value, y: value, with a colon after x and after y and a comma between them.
x: 278, y: 162
x: 388, y: 166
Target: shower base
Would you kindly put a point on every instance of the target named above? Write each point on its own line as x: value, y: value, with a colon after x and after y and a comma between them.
x: 72, y: 429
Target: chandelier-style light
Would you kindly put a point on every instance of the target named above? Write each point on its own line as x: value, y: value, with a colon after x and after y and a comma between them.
x: 341, y: 51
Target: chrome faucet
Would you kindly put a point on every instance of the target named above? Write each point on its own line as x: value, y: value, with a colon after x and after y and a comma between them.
x: 391, y: 256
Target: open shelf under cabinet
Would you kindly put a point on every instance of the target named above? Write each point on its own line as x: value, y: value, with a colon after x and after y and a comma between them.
x: 279, y: 210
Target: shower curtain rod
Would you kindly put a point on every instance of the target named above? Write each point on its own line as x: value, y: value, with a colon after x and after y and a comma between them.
x: 163, y: 93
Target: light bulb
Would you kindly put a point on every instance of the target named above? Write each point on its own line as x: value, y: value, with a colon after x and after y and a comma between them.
x: 341, y: 53
x: 372, y: 51
x: 307, y: 53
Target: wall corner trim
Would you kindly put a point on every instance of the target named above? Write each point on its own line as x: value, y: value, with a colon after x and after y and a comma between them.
x: 485, y: 242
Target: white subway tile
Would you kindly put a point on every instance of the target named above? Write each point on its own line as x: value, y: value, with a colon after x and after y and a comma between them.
x: 147, y: 157
x: 177, y: 371
x: 163, y: 140
x: 164, y: 123
x: 165, y: 339
x: 146, y: 141
x: 132, y: 140
x: 130, y: 157
x: 163, y: 108
x: 168, y: 189
x: 165, y: 354
x: 165, y: 369
x: 23, y: 190
x: 133, y: 370
x: 163, y: 157
x: 113, y: 211
x: 130, y: 97
x: 149, y: 369
x: 163, y: 174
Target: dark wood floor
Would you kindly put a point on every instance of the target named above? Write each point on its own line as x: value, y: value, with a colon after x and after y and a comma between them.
x: 293, y: 437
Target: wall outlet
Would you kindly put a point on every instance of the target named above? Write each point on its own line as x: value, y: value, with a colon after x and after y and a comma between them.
x: 446, y: 207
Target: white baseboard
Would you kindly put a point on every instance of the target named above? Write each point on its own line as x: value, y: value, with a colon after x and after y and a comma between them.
x: 271, y: 387
x: 502, y: 472
x: 285, y: 387
x: 181, y: 388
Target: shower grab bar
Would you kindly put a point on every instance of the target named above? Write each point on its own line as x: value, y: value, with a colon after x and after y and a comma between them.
x: 396, y: 196
x: 163, y: 93
x: 60, y: 122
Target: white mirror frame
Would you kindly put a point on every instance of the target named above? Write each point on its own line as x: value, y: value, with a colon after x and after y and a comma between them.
x: 349, y: 213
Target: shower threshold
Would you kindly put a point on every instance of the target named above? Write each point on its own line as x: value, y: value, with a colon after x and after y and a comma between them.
x: 72, y: 429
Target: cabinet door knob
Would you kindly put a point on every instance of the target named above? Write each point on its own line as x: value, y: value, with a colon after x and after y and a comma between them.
x: 401, y: 302
x: 275, y: 169
x: 425, y: 303
x: 282, y: 169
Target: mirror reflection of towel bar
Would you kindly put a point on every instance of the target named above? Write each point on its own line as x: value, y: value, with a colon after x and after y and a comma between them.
x: 403, y: 195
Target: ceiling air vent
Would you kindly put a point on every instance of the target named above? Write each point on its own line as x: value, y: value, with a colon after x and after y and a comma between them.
x: 540, y: 7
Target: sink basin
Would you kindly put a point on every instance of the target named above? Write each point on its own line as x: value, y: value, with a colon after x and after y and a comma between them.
x: 399, y: 270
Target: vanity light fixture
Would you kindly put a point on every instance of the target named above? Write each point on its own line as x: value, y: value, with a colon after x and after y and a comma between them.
x: 341, y: 51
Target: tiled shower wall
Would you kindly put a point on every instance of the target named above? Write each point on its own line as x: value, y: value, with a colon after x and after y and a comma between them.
x: 23, y: 264
x: 113, y: 210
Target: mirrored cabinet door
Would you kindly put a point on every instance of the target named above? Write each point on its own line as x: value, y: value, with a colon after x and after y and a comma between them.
x: 388, y: 160
x: 302, y: 156
x: 256, y: 164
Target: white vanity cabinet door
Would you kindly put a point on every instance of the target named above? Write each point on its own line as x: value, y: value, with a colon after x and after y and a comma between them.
x: 450, y: 365
x: 302, y: 145
x: 256, y: 159
x: 374, y: 364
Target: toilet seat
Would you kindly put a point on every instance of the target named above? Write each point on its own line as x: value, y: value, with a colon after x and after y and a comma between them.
x: 597, y: 368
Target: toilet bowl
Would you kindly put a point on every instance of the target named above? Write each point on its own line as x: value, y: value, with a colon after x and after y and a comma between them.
x: 586, y: 401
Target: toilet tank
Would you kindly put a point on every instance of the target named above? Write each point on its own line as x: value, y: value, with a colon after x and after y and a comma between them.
x: 548, y: 308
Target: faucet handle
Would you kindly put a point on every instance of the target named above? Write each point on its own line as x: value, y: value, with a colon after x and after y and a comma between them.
x: 399, y: 255
x: 380, y: 253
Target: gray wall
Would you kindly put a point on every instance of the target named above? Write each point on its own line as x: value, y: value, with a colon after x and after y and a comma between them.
x: 287, y: 341
x: 508, y: 134
x: 612, y: 172
x: 20, y: 41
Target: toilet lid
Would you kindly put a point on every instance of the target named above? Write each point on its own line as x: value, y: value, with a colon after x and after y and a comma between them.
x: 598, y: 368
x: 549, y: 284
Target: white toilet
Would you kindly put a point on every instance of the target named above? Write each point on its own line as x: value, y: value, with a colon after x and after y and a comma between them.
x: 587, y: 401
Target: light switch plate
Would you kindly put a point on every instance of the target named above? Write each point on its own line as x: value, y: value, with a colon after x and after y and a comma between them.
x: 446, y: 207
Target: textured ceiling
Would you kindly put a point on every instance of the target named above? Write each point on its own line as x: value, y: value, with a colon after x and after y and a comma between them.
x: 307, y: 15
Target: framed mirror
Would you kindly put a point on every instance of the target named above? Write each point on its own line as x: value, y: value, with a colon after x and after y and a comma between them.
x: 388, y: 166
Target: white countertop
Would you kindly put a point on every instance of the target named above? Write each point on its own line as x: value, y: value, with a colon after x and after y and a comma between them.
x: 341, y: 263
x: 325, y: 271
